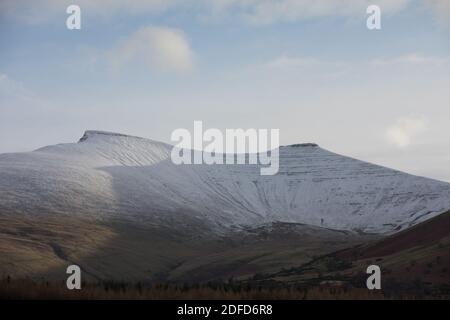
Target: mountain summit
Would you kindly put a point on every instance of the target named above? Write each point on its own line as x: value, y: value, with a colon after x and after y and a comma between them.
x: 111, y: 175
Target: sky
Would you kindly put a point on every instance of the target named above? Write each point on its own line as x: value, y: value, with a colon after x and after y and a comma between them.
x: 310, y: 68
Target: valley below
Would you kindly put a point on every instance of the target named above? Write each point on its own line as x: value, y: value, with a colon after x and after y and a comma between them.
x: 280, y: 260
x: 126, y: 251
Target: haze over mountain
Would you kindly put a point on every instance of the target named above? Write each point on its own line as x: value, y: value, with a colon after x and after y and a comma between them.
x: 114, y: 176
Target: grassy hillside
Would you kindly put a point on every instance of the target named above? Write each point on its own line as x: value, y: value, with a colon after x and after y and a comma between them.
x: 41, y: 248
x: 281, y: 260
x: 414, y: 263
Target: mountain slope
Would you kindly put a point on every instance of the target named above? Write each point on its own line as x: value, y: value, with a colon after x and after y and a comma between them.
x: 113, y: 176
x: 414, y: 263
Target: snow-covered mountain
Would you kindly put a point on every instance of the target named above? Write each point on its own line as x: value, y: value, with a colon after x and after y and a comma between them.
x: 111, y: 176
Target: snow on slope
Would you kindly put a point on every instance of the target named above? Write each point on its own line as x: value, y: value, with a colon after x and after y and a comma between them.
x: 110, y: 175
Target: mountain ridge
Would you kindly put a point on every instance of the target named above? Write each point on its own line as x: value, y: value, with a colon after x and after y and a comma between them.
x: 109, y: 174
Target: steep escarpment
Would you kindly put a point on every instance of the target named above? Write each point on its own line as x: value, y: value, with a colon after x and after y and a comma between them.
x: 111, y: 176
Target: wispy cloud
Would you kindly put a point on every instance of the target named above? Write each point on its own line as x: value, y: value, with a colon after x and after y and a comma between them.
x: 43, y: 11
x: 7, y: 85
x: 253, y: 11
x: 271, y: 11
x: 257, y: 12
x: 440, y: 9
x: 12, y: 90
x: 285, y: 61
x: 403, y: 132
x: 411, y: 58
x: 297, y: 64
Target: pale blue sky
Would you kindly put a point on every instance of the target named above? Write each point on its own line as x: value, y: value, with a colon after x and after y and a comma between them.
x: 310, y: 68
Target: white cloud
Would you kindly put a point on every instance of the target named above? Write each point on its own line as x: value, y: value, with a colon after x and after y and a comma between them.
x: 405, y: 130
x: 407, y: 61
x: 411, y: 58
x: 270, y: 11
x: 26, y: 118
x: 11, y: 89
x: 299, y: 67
x: 159, y: 48
x: 254, y: 11
x: 441, y: 10
x: 7, y: 85
x: 284, y: 61
x: 41, y: 11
